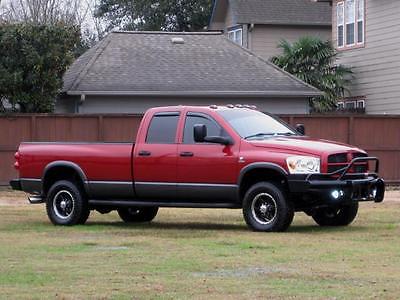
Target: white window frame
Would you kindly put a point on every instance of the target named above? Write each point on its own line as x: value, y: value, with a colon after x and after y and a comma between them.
x: 361, y: 102
x: 347, y: 106
x: 235, y: 32
x: 352, y: 21
x: 341, y: 5
x: 360, y: 19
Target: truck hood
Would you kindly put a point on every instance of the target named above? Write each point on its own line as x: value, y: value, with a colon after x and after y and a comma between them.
x: 304, y: 145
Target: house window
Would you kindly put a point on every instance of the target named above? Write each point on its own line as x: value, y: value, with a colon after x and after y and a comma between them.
x: 340, y: 105
x: 236, y: 35
x: 350, y: 105
x: 350, y: 17
x: 350, y: 20
x: 340, y: 22
x: 361, y: 104
x: 354, y: 105
x: 360, y: 21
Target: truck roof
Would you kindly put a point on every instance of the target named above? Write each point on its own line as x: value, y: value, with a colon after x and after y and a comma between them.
x: 203, y: 107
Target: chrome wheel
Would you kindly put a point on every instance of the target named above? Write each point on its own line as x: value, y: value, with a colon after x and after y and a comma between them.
x: 264, y: 208
x: 63, y: 204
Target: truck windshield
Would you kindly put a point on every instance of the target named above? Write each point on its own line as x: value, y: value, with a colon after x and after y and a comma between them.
x: 251, y: 124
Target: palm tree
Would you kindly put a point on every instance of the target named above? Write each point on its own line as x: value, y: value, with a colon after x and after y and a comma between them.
x: 313, y: 61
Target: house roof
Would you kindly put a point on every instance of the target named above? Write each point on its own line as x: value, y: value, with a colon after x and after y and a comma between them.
x: 195, y: 64
x: 277, y: 12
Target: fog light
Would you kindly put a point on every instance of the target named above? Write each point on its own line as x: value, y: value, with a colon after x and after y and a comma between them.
x: 374, y: 192
x: 335, y: 194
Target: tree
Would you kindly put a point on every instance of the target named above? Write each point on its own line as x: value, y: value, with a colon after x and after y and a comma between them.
x: 313, y: 61
x: 48, y: 12
x: 166, y: 15
x: 33, y: 59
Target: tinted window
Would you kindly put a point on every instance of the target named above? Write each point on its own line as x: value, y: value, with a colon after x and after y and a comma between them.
x: 162, y: 129
x: 213, y: 129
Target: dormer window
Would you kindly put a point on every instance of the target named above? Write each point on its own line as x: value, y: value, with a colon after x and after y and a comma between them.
x: 236, y: 35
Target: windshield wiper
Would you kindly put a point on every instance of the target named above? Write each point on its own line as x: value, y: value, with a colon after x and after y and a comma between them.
x: 260, y: 134
x: 286, y: 133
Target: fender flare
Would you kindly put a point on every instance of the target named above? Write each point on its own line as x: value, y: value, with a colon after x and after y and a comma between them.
x: 68, y: 164
x: 261, y: 165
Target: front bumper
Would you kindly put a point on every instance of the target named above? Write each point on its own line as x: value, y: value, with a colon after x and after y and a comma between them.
x: 339, y: 187
x: 339, y: 191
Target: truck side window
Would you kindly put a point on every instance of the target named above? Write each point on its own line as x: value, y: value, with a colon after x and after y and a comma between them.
x: 213, y: 129
x: 162, y: 129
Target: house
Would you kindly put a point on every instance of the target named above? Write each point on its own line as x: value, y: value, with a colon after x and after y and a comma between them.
x: 260, y: 25
x: 129, y: 72
x: 366, y: 35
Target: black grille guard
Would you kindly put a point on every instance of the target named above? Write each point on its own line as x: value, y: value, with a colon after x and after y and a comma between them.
x: 344, y: 171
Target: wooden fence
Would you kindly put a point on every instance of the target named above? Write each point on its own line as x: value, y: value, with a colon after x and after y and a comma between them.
x: 379, y: 135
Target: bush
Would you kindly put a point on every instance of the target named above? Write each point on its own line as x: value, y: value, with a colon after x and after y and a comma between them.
x: 33, y: 59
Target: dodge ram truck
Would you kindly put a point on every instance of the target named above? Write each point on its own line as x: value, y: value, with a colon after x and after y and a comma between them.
x: 202, y: 157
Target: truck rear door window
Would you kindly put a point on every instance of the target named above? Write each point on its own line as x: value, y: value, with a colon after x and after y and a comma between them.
x: 162, y: 129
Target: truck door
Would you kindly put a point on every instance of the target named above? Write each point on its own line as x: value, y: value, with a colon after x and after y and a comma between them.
x: 155, y: 158
x: 206, y: 172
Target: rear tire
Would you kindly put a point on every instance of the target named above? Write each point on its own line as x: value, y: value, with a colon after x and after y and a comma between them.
x: 137, y: 214
x: 341, y: 216
x: 265, y: 208
x: 66, y: 204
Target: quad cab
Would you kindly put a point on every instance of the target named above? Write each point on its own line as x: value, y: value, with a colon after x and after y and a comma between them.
x: 202, y: 157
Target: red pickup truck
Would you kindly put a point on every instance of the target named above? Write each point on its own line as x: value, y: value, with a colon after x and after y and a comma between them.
x: 206, y: 157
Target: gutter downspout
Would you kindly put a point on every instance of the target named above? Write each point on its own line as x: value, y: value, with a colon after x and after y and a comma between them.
x: 249, y: 39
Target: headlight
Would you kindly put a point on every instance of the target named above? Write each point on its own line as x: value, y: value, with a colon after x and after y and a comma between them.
x: 303, y: 164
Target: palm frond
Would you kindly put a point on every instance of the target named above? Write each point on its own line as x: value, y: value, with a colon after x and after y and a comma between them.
x: 313, y: 61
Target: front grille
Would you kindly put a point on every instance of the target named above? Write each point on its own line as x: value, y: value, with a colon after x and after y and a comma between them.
x: 341, y: 160
x: 359, y: 154
x: 361, y: 167
x: 334, y: 168
x: 337, y: 158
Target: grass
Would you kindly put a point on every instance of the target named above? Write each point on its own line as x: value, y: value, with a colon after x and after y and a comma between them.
x: 195, y: 253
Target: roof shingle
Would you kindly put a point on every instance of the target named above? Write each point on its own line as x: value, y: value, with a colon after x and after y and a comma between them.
x: 135, y: 63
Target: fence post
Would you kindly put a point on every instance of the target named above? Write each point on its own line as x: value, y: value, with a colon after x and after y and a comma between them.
x: 33, y: 128
x: 100, y: 128
x: 351, y: 131
x: 291, y: 120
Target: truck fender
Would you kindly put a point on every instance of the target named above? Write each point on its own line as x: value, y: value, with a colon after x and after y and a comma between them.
x: 260, y: 165
x: 68, y: 164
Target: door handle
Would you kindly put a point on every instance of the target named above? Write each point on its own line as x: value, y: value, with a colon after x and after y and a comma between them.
x: 144, y: 153
x: 186, y: 154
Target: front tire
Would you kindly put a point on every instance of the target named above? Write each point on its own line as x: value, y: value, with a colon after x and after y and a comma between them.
x: 265, y: 208
x: 340, y: 216
x: 66, y: 204
x: 137, y: 214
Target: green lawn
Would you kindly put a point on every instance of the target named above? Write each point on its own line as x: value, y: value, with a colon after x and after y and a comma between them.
x: 198, y: 253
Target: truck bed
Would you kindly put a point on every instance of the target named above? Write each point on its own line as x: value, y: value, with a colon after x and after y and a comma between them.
x: 99, y: 161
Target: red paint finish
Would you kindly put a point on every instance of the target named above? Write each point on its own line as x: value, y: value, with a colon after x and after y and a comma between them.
x: 210, y: 163
x: 98, y: 161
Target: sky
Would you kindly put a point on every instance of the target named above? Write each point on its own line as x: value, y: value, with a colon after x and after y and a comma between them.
x: 86, y: 6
